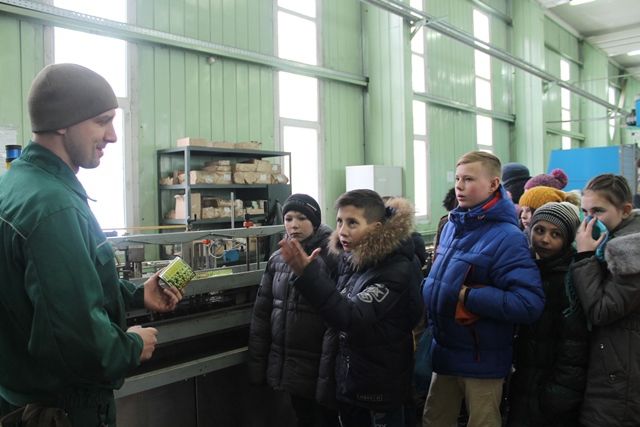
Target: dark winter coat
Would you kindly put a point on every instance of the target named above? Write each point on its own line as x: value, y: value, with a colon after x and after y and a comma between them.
x: 375, y: 311
x: 287, y: 334
x: 483, y: 248
x: 551, y: 356
x: 610, y: 295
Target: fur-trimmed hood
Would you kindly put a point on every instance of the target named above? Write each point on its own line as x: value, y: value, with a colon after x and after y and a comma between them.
x: 394, y: 233
x: 621, y: 252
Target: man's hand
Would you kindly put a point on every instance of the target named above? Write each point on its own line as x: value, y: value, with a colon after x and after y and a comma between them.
x: 295, y: 256
x: 157, y: 298
x: 149, y: 340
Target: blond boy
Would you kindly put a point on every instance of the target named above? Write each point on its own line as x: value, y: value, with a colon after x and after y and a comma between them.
x: 483, y: 282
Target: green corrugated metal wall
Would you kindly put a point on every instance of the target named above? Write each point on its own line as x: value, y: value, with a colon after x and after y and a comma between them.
x: 343, y: 104
x: 452, y: 132
x: 180, y: 94
x: 21, y: 57
x: 177, y: 93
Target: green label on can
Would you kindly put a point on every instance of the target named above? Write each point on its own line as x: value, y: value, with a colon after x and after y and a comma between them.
x: 177, y: 274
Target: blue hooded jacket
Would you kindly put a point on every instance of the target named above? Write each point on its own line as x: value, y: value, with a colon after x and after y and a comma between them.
x: 483, y: 248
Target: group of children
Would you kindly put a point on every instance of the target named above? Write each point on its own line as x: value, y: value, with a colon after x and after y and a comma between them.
x: 545, y: 303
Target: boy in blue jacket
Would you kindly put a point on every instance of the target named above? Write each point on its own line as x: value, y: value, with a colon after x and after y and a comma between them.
x: 484, y: 281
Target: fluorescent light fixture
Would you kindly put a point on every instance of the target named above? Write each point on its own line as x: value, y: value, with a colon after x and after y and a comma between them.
x: 634, y: 52
x: 579, y: 2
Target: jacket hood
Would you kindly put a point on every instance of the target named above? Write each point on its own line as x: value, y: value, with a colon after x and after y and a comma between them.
x: 394, y: 233
x: 498, y: 208
x: 621, y: 252
x: 318, y: 238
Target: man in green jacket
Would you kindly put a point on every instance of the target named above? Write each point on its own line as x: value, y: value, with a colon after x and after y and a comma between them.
x: 63, y: 337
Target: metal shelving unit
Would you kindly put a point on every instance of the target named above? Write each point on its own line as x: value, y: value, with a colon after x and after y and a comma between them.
x: 189, y: 158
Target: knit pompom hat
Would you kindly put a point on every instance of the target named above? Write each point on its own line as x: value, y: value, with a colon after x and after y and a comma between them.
x: 514, y: 176
x: 564, y: 215
x: 538, y: 196
x: 305, y: 204
x: 63, y: 95
x: 556, y: 179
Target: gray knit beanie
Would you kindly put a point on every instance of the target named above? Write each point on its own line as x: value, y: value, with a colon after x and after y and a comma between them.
x: 564, y: 215
x: 62, y: 95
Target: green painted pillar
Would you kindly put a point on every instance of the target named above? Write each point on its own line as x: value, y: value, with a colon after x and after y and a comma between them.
x: 388, y: 102
x: 528, y: 44
x: 594, y: 125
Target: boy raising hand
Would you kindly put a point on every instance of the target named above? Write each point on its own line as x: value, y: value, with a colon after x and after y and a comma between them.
x: 374, y: 306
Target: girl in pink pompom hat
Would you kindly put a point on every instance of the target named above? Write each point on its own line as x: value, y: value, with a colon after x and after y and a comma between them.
x: 556, y: 179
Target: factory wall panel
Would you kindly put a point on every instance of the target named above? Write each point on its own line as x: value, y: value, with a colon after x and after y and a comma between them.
x: 21, y: 57
x: 388, y: 137
x: 594, y: 124
x: 528, y: 44
x: 342, y: 137
x: 451, y: 75
x: 450, y: 68
x: 501, y: 6
x: 182, y: 94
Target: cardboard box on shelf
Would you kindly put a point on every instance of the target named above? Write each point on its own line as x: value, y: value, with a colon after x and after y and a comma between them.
x: 263, y: 166
x: 276, y: 168
x: 249, y: 145
x: 190, y: 141
x: 208, y: 213
x: 218, y: 163
x: 222, y: 144
x: 218, y: 202
x: 167, y: 180
x: 263, y: 178
x: 248, y: 166
x: 207, y: 177
x: 217, y: 168
x: 196, y: 206
x: 251, y: 178
x: 278, y: 178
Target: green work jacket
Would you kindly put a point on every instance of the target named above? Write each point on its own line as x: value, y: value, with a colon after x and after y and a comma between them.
x: 62, y: 305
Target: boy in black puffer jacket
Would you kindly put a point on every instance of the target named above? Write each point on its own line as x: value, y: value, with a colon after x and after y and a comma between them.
x: 288, y: 336
x: 552, y: 354
x: 374, y: 308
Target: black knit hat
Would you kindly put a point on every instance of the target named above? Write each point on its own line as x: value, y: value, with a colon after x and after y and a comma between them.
x: 63, y: 95
x: 564, y: 215
x: 514, y: 175
x: 305, y: 204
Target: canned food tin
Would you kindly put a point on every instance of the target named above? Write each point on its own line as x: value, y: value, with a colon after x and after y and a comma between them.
x: 177, y: 274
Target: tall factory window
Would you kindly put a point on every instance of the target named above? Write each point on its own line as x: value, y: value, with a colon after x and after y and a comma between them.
x: 298, y: 100
x: 565, y: 103
x: 420, y: 158
x: 417, y: 61
x: 420, y: 142
x: 482, y: 62
x: 106, y: 183
x: 613, y: 99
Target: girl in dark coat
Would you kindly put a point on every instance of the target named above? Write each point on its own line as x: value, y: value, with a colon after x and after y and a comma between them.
x: 607, y: 281
x: 551, y: 355
x: 288, y: 336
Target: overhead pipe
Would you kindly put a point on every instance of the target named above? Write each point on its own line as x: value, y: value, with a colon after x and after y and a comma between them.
x: 414, y: 16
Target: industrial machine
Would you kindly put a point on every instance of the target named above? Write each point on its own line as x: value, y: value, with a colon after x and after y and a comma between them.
x: 582, y: 164
x: 197, y: 376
